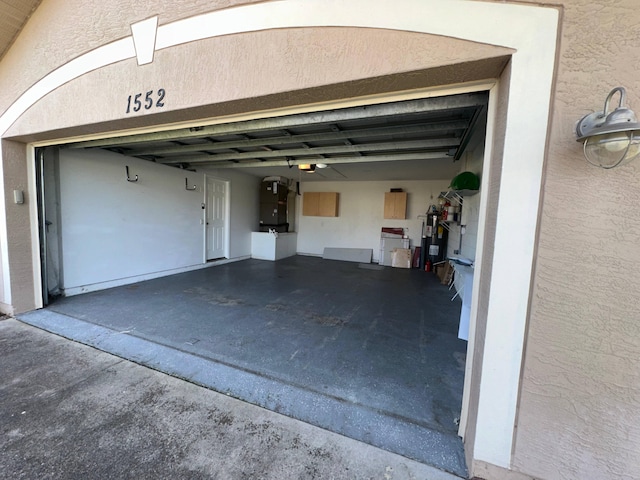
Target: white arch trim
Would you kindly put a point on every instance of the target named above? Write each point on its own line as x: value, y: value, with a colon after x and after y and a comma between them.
x: 531, y: 31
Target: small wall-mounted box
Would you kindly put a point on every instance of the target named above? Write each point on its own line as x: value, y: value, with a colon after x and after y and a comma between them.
x: 18, y: 197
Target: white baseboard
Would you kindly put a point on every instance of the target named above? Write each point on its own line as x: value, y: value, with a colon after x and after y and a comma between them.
x: 71, y: 291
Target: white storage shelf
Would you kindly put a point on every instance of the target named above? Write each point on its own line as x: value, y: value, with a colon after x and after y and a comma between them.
x: 457, y: 196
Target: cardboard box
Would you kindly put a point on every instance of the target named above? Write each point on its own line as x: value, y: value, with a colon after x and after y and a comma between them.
x: 401, y: 258
x: 444, y: 272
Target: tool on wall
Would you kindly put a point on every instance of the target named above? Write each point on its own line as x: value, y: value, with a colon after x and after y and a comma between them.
x: 129, y: 179
x: 186, y: 185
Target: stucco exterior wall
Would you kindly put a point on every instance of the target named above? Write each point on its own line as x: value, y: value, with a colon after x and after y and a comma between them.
x: 580, y: 389
x: 77, y: 26
x: 255, y: 71
x: 18, y: 227
x: 580, y: 392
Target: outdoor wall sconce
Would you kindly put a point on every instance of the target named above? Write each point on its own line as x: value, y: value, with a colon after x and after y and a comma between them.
x: 610, y: 138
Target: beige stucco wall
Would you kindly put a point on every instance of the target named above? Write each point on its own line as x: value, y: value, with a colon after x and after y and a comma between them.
x: 18, y: 227
x: 261, y: 70
x: 579, y: 414
x: 77, y: 26
x: 581, y: 374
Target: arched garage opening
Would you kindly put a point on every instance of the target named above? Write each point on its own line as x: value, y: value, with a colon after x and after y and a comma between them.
x: 361, y: 348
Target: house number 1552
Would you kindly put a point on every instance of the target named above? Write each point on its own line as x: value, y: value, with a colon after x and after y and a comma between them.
x: 149, y: 100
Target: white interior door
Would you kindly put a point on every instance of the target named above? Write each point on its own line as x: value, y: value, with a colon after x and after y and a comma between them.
x: 216, y: 218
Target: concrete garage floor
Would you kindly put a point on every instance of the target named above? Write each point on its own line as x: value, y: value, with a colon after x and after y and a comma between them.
x: 371, y: 354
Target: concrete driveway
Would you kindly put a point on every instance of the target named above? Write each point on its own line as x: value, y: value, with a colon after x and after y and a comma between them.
x: 70, y: 411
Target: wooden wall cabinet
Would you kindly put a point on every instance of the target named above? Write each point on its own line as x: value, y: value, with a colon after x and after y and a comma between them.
x: 320, y: 204
x: 395, y: 205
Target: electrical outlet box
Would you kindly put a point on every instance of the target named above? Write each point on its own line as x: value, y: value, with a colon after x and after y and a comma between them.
x: 18, y: 197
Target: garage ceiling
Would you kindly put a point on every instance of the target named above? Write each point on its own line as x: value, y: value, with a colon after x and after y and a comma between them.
x: 416, y: 139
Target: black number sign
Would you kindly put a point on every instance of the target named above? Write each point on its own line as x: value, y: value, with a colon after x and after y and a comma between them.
x: 136, y: 102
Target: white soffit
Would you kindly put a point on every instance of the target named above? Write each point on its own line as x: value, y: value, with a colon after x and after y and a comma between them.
x: 531, y: 31
x: 13, y: 15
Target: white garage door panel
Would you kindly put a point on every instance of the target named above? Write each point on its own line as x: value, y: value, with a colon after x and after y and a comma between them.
x: 114, y: 229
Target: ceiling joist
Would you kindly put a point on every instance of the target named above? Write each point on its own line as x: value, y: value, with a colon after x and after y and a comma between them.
x: 443, y: 145
x: 365, y: 113
x: 420, y: 136
x: 329, y: 161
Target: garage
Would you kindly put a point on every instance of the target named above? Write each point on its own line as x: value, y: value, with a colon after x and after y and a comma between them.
x: 543, y: 394
x: 160, y: 236
x: 110, y: 172
x: 178, y: 218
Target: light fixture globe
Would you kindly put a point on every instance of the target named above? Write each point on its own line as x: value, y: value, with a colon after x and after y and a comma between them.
x: 613, y: 149
x: 307, y: 167
x: 610, y: 139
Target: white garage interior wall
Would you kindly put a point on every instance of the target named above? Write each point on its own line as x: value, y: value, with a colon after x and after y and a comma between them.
x: 360, y: 214
x: 465, y: 243
x: 115, y: 232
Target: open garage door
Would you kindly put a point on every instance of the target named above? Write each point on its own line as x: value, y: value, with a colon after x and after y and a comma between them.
x: 427, y: 136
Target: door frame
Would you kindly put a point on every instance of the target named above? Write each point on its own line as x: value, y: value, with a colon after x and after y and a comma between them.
x: 43, y: 237
x: 227, y: 215
x: 493, y: 86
